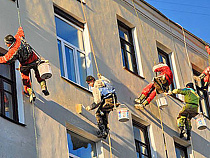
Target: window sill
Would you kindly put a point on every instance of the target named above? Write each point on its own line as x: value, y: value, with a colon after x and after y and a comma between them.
x: 133, y: 73
x: 174, y: 96
x: 18, y: 123
x: 77, y: 85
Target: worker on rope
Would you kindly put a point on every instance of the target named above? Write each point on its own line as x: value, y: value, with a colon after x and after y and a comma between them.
x: 205, y: 75
x: 190, y: 110
x: 22, y: 51
x: 159, y: 85
x: 104, y: 100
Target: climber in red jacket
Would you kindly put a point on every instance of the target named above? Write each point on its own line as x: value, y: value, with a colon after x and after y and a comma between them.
x: 159, y: 85
x: 20, y: 50
x: 205, y: 75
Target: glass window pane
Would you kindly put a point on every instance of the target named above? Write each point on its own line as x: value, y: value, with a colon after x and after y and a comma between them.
x: 80, y: 146
x: 82, y: 68
x: 128, y: 48
x: 124, y: 34
x: 139, y: 134
x: 8, y: 105
x: 60, y: 57
x: 5, y: 71
x: 144, y: 150
x: 129, y: 61
x: 70, y: 63
x: 69, y: 33
x: 7, y: 87
x: 123, y: 57
x: 180, y: 153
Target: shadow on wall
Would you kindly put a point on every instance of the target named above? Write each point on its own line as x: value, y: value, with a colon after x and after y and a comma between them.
x: 199, y: 141
x: 61, y: 115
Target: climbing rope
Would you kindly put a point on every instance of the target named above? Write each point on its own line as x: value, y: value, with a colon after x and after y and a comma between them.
x: 110, y: 145
x: 185, y: 45
x: 18, y: 10
x: 164, y: 139
x: 91, y: 43
x: 34, y: 117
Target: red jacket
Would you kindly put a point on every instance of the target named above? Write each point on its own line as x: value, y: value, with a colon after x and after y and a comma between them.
x: 14, y: 47
x: 207, y: 73
x: 208, y: 49
x: 164, y: 70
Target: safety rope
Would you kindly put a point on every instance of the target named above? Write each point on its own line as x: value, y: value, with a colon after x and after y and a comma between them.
x: 34, y: 117
x: 154, y: 64
x: 18, y: 10
x: 164, y: 139
x: 185, y: 45
x: 91, y: 43
x: 142, y: 27
x: 110, y: 145
x: 175, y: 52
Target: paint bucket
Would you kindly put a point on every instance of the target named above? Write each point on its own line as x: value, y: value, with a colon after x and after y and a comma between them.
x: 162, y: 102
x: 200, y: 121
x: 45, y: 69
x: 123, y: 114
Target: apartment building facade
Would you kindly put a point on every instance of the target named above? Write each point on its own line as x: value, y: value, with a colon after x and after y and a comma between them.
x: 128, y: 38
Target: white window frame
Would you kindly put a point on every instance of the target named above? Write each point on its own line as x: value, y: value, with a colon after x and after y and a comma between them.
x: 19, y: 90
x: 87, y: 53
x: 137, y: 52
x: 73, y: 156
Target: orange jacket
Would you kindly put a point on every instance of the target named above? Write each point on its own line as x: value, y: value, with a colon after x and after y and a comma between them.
x: 14, y: 48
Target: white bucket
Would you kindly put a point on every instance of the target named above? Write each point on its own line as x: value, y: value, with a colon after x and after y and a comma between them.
x: 123, y: 114
x: 45, y: 70
x: 201, y: 123
x: 162, y: 102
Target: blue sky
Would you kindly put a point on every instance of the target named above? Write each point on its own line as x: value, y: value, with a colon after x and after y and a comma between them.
x: 193, y: 15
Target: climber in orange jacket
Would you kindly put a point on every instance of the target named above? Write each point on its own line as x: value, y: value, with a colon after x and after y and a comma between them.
x: 159, y: 85
x: 205, y: 75
x: 20, y: 50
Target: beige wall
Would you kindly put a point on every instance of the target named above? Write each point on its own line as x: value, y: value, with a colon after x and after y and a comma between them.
x: 54, y: 112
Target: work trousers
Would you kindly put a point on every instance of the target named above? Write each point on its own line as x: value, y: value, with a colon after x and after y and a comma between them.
x: 185, y: 115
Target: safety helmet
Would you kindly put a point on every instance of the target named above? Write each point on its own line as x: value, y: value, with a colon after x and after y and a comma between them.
x: 190, y: 84
x: 9, y: 39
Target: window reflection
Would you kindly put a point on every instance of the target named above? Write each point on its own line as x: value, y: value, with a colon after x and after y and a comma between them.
x: 80, y: 146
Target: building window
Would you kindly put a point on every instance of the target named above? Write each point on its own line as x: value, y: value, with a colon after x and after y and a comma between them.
x: 181, y: 151
x: 8, y: 99
x: 164, y: 58
x: 141, y: 140
x: 80, y: 147
x: 71, y: 48
x: 127, y: 48
x: 204, y: 97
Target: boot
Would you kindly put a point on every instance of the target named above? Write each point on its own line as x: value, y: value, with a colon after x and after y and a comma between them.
x: 44, y: 88
x: 140, y: 99
x: 181, y: 135
x: 145, y: 103
x: 31, y: 94
x: 139, y: 106
x: 188, y: 134
x: 102, y: 133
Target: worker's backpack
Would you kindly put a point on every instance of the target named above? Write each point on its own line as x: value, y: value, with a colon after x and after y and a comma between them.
x: 107, y: 89
x: 24, y: 51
